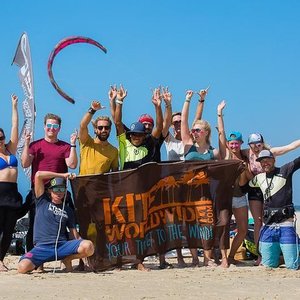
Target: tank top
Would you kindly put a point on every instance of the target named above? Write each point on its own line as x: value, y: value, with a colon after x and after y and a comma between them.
x: 193, y: 154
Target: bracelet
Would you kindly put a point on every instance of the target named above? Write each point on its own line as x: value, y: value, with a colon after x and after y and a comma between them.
x: 168, y: 105
x: 220, y: 115
x: 91, y: 111
x: 119, y: 102
x: 201, y: 100
x: 188, y: 100
x: 73, y: 146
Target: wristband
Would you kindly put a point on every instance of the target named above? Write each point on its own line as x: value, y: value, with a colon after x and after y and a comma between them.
x: 168, y: 105
x: 201, y: 100
x: 188, y: 100
x: 119, y: 102
x: 91, y: 111
x: 73, y: 146
x: 220, y: 115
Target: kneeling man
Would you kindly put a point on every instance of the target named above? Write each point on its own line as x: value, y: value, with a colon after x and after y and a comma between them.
x: 51, y: 239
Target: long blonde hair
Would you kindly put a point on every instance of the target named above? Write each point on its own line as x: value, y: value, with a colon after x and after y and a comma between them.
x: 207, y: 127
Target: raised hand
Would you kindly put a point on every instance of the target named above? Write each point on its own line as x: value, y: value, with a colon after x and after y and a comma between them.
x: 188, y: 95
x: 202, y: 93
x: 27, y: 137
x: 156, y: 97
x: 121, y: 93
x: 221, y: 106
x: 112, y: 93
x: 14, y: 100
x: 74, y: 137
x: 167, y: 96
x: 96, y: 105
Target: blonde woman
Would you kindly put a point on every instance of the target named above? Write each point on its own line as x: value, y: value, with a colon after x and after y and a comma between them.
x: 197, y: 146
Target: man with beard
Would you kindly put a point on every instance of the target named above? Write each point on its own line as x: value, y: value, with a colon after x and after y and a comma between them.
x: 97, y: 156
x: 278, y: 235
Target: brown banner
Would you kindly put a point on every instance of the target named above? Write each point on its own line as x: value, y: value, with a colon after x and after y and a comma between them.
x: 153, y: 209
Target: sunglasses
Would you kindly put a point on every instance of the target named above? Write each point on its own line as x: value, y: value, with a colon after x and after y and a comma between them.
x: 103, y: 127
x: 2, y: 138
x: 53, y: 126
x: 58, y: 189
x: 198, y: 130
x: 256, y: 145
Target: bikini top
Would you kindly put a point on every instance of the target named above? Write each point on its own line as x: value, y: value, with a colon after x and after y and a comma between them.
x: 12, y: 162
x: 193, y: 154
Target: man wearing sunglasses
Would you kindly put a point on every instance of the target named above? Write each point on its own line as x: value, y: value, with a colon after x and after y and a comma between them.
x: 97, y: 156
x: 53, y: 218
x: 47, y: 154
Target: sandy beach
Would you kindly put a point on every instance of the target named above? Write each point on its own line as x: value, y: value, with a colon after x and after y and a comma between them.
x: 236, y: 282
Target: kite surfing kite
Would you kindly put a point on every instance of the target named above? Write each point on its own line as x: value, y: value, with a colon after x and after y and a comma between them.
x: 61, y: 45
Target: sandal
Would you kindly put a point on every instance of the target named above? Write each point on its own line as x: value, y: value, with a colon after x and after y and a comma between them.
x: 166, y: 265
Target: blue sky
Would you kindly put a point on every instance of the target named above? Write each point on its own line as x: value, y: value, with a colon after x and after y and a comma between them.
x: 247, y: 51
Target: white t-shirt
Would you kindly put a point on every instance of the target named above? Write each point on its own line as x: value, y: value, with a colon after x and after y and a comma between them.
x: 174, y: 147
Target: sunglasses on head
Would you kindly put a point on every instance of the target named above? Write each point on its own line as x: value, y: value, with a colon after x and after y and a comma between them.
x: 198, y: 130
x: 53, y: 126
x: 103, y: 127
x: 2, y: 138
x: 61, y: 189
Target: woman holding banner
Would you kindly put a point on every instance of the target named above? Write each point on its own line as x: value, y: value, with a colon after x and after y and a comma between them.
x: 10, y: 198
x: 197, y: 147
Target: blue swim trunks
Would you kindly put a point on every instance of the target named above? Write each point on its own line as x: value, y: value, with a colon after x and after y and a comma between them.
x: 46, y: 252
x: 276, y: 239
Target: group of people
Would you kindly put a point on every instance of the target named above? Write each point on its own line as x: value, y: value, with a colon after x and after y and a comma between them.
x: 266, y: 189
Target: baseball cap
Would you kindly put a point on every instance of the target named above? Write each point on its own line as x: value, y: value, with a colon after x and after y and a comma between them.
x: 255, y: 138
x: 146, y: 118
x: 137, y: 127
x: 57, y: 181
x: 235, y: 136
x: 264, y: 154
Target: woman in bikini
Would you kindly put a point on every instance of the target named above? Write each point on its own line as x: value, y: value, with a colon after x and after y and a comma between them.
x: 197, y: 147
x: 10, y: 199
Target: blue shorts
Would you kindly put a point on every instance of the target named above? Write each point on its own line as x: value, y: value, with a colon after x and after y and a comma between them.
x: 46, y: 252
x: 277, y: 238
x: 238, y: 202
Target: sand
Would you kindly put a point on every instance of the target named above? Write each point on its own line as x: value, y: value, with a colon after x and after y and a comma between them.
x: 236, y: 282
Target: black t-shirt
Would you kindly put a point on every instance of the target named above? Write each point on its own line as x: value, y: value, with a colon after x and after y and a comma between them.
x: 277, y: 186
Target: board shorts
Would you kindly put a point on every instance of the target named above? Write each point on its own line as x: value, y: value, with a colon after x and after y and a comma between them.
x: 46, y: 252
x: 276, y: 239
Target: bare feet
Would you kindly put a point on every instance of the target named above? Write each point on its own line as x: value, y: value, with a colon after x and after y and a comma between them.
x: 209, y: 263
x: 3, y: 268
x: 141, y: 267
x: 224, y: 263
x: 195, y: 262
x: 68, y: 264
x: 257, y: 262
x: 181, y: 262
